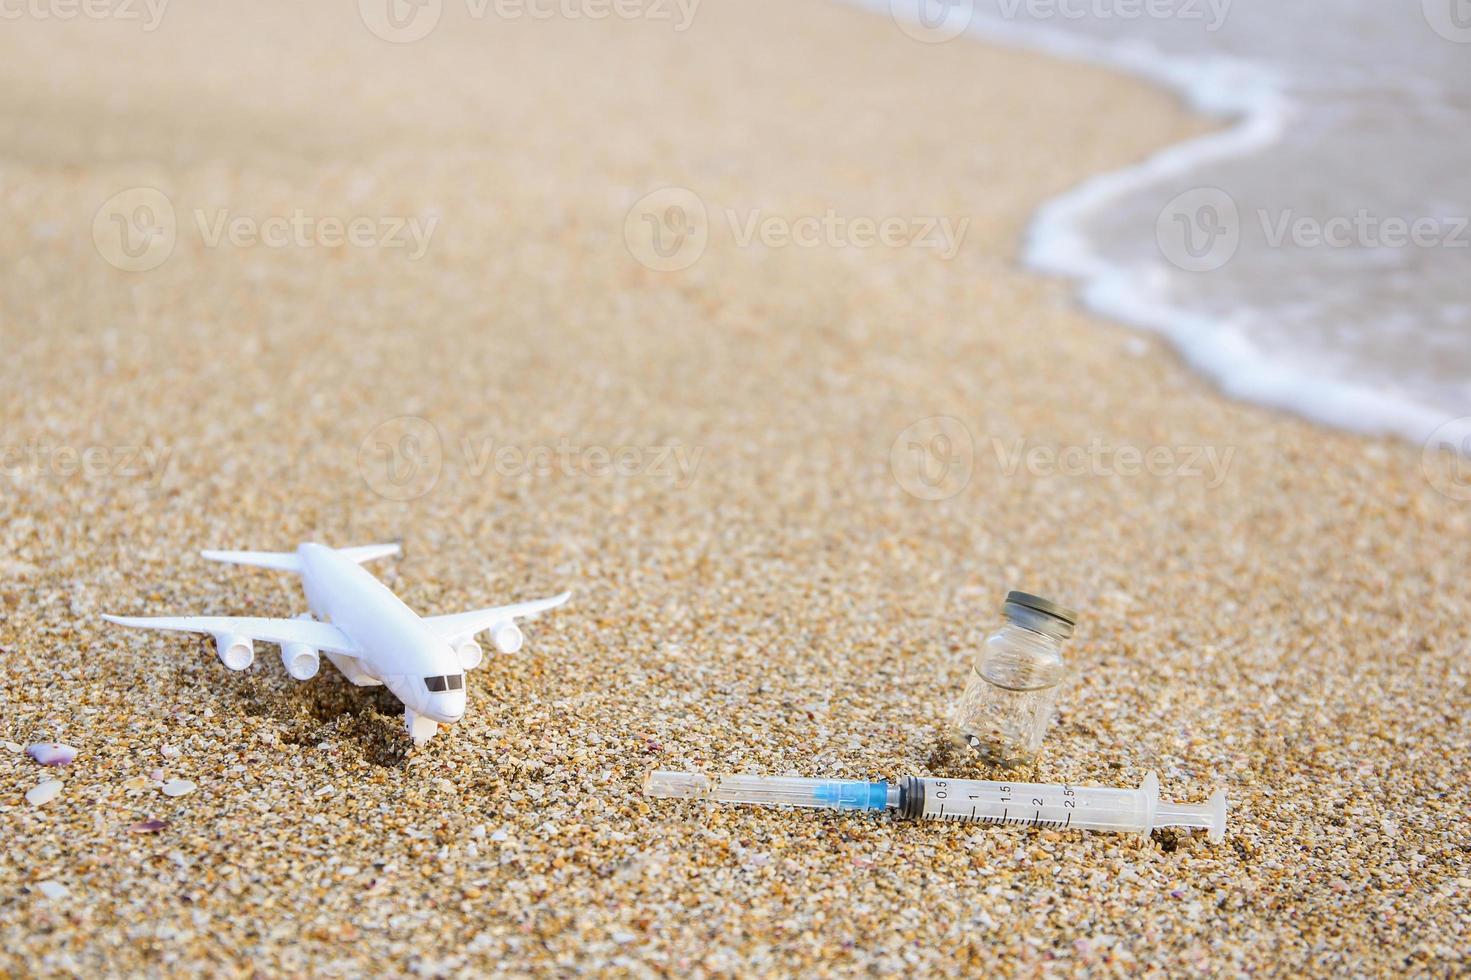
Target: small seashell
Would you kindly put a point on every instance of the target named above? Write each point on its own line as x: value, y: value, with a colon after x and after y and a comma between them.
x: 178, y: 787
x: 137, y: 782
x: 148, y: 826
x: 169, y: 752
x: 53, y: 890
x: 12, y: 747
x: 44, y: 793
x: 157, y: 775
x: 51, y: 753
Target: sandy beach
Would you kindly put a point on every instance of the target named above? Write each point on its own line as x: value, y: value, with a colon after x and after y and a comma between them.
x: 664, y: 310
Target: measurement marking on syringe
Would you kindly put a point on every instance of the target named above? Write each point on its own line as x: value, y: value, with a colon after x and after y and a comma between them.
x: 1004, y: 818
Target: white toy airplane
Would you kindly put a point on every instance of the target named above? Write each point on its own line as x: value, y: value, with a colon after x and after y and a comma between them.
x: 364, y: 629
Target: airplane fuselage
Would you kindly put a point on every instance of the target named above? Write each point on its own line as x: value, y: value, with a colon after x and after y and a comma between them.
x: 400, y: 651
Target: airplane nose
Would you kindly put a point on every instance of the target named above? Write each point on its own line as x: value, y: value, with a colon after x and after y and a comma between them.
x: 447, y: 708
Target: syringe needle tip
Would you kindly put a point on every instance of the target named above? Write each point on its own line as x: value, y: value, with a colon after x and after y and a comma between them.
x: 676, y: 785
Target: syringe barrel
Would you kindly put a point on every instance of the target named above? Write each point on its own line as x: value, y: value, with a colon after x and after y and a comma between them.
x: 1060, y: 805
x: 1054, y: 805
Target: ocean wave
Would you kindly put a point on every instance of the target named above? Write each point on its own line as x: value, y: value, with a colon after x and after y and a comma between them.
x: 1258, y: 108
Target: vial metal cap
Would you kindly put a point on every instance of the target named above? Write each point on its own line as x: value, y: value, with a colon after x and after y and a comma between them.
x: 1066, y: 618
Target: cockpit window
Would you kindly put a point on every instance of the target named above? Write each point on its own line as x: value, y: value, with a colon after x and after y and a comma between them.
x: 438, y: 685
x: 456, y: 682
x: 435, y: 684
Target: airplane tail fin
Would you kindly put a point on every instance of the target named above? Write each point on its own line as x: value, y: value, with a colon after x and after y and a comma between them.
x: 289, y: 561
x: 285, y: 561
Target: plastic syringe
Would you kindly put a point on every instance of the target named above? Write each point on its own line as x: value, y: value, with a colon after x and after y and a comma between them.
x: 1056, y: 806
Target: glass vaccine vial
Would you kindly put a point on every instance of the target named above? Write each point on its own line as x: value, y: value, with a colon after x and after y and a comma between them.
x: 1012, y: 692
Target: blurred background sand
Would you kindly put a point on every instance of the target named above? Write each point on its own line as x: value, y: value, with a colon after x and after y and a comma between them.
x: 1294, y: 630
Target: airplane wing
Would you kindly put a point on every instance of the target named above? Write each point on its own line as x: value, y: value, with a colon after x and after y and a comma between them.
x: 470, y: 623
x: 322, y: 636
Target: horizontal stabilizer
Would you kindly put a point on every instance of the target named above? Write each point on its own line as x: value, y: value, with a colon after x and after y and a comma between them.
x: 285, y: 561
x: 368, y: 552
x: 289, y: 561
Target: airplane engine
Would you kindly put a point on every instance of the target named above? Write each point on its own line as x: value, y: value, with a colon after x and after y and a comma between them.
x: 507, y: 637
x: 300, y: 660
x: 236, y: 652
x: 469, y: 653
